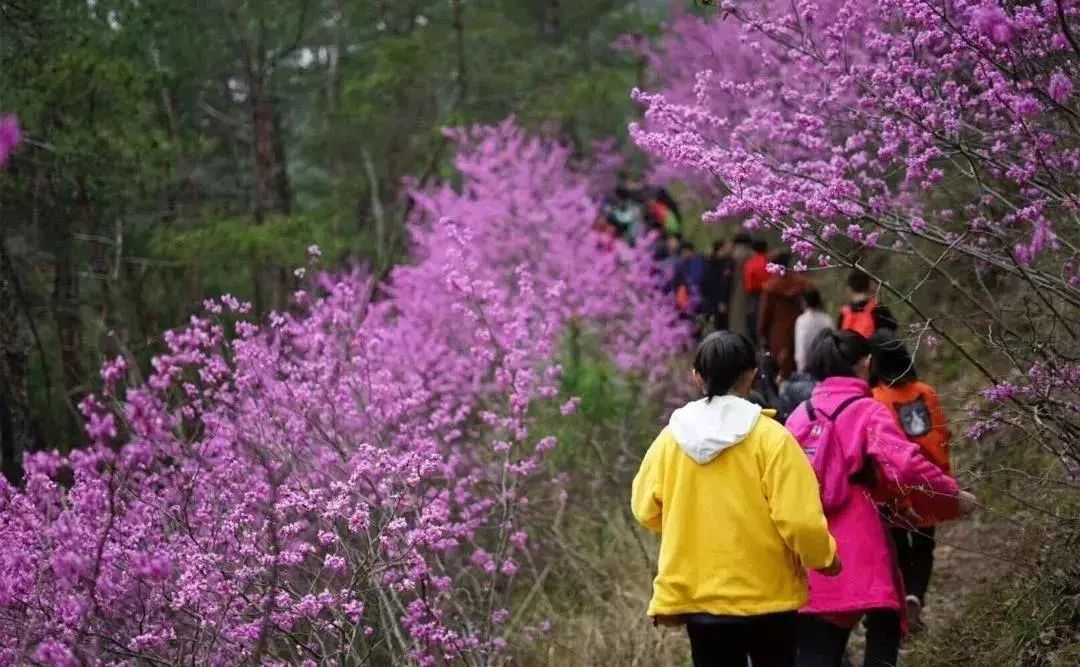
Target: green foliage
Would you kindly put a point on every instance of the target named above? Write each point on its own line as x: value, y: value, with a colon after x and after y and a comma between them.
x: 613, y: 408
x: 282, y: 241
x: 134, y: 196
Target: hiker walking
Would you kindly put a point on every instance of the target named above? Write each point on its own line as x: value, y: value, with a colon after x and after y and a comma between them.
x: 917, y: 411
x: 808, y: 326
x: 859, y: 453
x: 755, y: 275
x: 781, y: 305
x: 738, y: 321
x: 717, y: 283
x: 863, y: 313
x: 736, y: 504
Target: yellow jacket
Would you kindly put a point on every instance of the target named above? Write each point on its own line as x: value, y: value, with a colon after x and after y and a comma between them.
x: 738, y: 509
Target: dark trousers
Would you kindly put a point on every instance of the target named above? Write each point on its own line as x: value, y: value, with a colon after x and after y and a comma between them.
x: 822, y: 644
x: 726, y: 641
x: 915, y: 554
x: 753, y: 304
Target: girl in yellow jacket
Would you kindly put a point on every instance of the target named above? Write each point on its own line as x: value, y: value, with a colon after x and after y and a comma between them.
x: 738, y: 511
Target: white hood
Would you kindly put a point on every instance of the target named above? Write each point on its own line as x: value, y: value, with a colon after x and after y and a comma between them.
x: 704, y: 429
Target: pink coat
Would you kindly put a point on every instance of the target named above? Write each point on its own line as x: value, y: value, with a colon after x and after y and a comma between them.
x: 866, y: 429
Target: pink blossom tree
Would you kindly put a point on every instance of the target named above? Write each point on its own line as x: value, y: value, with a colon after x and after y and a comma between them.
x: 361, y: 479
x: 928, y: 143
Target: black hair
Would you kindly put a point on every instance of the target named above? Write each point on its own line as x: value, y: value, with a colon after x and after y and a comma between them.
x: 783, y: 258
x: 721, y: 359
x: 686, y: 245
x: 718, y: 245
x: 836, y: 353
x: 742, y: 238
x: 891, y: 364
x: 759, y: 245
x: 812, y: 298
x: 858, y: 281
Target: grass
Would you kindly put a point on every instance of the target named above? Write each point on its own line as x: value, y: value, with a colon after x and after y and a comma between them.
x: 601, y: 580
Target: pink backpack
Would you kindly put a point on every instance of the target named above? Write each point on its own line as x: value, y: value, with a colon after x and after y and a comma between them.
x: 818, y: 441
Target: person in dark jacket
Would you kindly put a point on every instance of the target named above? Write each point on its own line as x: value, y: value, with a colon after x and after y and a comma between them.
x: 717, y: 285
x: 793, y: 393
x: 695, y: 265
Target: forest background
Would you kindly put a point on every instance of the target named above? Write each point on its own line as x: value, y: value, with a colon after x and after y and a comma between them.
x: 182, y: 150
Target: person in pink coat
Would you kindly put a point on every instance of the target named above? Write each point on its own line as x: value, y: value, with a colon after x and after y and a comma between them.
x: 881, y: 464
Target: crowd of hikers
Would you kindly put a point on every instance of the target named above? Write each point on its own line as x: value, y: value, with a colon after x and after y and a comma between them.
x: 798, y: 498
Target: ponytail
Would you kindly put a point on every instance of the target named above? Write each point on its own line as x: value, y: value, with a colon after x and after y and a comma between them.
x: 721, y: 359
x: 836, y: 354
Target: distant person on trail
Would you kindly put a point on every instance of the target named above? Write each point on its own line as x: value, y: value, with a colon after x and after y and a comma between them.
x: 635, y: 208
x: 737, y: 508
x: 661, y: 207
x: 808, y: 325
x: 689, y: 271
x: 859, y: 453
x: 695, y: 264
x: 670, y: 259
x: 607, y: 234
x: 766, y: 389
x: 915, y: 406
x: 781, y: 305
x: 737, y: 310
x: 755, y: 275
x: 863, y: 313
x: 716, y: 285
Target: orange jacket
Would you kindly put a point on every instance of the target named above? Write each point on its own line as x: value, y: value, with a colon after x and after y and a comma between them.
x: 918, y: 412
x: 756, y: 273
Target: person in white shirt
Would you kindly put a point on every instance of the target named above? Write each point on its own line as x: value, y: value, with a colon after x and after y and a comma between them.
x: 809, y: 325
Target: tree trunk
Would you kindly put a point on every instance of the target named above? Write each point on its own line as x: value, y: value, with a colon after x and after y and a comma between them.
x: 283, y: 206
x: 461, y: 75
x: 184, y: 169
x: 16, y: 425
x: 333, y: 106
x: 377, y: 212
x: 554, y: 20
x: 65, y: 308
x: 273, y: 192
x: 264, y: 172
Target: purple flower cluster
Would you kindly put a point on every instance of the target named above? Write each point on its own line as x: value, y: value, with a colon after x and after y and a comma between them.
x: 861, y: 116
x: 359, y: 477
x: 10, y: 137
x: 945, y: 132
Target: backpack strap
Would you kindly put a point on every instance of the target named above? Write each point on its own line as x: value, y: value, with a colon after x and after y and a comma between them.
x: 840, y: 408
x: 843, y: 406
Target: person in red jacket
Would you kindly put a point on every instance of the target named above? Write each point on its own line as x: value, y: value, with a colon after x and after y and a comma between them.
x: 755, y: 275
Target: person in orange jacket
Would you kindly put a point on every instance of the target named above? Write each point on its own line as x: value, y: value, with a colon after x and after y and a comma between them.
x: 918, y: 411
x: 755, y: 276
x: 863, y: 313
